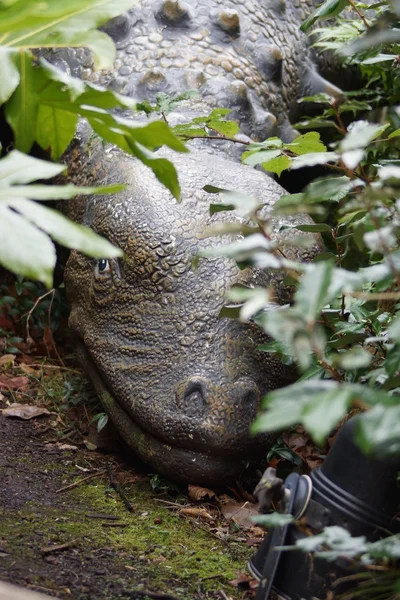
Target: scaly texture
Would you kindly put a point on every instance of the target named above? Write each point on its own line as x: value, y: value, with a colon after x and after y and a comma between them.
x: 245, y: 55
x: 181, y: 384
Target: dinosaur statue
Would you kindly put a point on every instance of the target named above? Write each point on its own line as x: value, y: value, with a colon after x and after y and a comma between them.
x: 246, y: 55
x: 181, y: 384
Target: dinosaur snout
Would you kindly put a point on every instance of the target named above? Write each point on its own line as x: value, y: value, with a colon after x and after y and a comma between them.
x: 217, y: 416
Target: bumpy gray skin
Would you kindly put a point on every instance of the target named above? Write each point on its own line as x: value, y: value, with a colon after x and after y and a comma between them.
x: 182, y: 385
x: 246, y: 55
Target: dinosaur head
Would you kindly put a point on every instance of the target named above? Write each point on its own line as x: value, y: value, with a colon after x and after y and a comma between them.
x: 181, y: 384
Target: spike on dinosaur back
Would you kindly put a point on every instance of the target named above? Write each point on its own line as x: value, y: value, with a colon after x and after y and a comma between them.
x: 173, y: 11
x: 270, y: 59
x: 229, y: 20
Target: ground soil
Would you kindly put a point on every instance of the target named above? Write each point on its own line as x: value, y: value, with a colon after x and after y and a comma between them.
x: 107, y: 551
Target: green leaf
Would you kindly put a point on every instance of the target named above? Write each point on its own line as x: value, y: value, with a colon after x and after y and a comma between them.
x: 64, y: 231
x: 22, y: 107
x: 277, y: 165
x: 318, y: 405
x: 324, y: 411
x: 162, y: 168
x: 226, y: 128
x: 242, y: 203
x: 355, y: 358
x: 394, y: 329
x: 55, y: 129
x: 61, y: 24
x: 100, y: 44
x: 304, y: 144
x: 25, y: 247
x: 392, y: 361
x: 378, y: 431
x: 166, y: 104
x: 25, y: 250
x: 312, y: 293
x: 313, y: 159
x: 55, y: 192
x: 17, y: 167
x: 329, y: 8
x: 394, y: 134
x: 274, y: 519
x: 337, y: 539
x: 9, y: 73
x: 259, y: 157
x: 316, y: 228
x: 372, y: 60
x: 331, y: 189
x: 360, y: 134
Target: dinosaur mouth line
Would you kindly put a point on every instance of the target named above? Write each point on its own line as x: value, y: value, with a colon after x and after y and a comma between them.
x: 173, y: 461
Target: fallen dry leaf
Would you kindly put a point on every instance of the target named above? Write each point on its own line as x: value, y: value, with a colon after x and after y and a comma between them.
x: 7, y: 359
x: 240, y: 513
x: 27, y: 369
x: 242, y: 579
x: 196, y: 512
x: 222, y: 533
x: 197, y: 492
x: 13, y: 383
x: 25, y: 411
x: 58, y: 446
x: 255, y: 531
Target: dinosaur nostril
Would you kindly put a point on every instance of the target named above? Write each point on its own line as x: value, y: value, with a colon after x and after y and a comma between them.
x: 192, y: 396
x: 195, y: 392
x: 247, y: 395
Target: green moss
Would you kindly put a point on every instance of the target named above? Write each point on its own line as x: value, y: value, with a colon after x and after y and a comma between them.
x: 174, y: 554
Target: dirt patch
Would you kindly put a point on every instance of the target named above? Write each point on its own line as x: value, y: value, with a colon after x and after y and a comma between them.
x: 104, y: 550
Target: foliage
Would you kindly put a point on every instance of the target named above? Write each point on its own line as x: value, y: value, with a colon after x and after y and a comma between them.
x: 342, y: 330
x: 42, y: 105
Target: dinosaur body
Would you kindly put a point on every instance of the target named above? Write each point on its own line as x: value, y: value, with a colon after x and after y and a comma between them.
x: 181, y: 384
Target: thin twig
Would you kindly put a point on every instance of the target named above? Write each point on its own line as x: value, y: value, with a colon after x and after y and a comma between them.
x: 51, y: 332
x: 103, y: 517
x: 214, y: 137
x: 50, y: 549
x: 73, y: 485
x: 363, y: 19
x: 154, y: 595
x: 374, y: 296
x: 37, y: 302
x: 118, y: 489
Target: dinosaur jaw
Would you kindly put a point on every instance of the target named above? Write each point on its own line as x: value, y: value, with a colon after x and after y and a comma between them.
x: 172, y: 461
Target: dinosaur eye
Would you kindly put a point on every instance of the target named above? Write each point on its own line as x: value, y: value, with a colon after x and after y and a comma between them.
x: 102, y: 266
